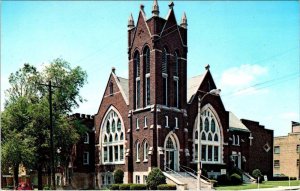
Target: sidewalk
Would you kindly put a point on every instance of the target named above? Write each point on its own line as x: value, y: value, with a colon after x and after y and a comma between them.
x: 278, y: 188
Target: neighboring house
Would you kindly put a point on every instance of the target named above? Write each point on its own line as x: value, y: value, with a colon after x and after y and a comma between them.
x: 150, y: 119
x: 287, y: 153
x: 81, y: 169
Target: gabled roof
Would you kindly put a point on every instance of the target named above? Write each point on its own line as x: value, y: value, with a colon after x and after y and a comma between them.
x: 193, y: 85
x: 123, y: 86
x: 236, y: 124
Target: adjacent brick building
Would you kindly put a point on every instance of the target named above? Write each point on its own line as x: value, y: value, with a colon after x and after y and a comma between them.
x: 287, y: 153
x: 151, y: 119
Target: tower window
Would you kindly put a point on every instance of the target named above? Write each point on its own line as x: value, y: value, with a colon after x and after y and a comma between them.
x: 176, y: 65
x: 176, y: 92
x: 165, y: 76
x: 147, y: 75
x: 137, y: 78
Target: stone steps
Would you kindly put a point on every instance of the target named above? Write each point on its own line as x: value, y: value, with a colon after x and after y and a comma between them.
x: 189, y: 180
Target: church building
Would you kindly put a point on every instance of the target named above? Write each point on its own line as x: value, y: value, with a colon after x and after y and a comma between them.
x: 158, y: 118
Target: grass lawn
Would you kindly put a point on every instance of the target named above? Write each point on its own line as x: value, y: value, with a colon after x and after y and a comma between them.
x: 268, y: 184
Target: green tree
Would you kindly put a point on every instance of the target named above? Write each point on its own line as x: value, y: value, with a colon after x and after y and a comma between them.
x: 17, y: 146
x: 27, y: 82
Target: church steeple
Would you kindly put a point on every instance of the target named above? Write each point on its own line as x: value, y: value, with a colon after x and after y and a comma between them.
x: 183, y: 21
x: 155, y: 9
x: 130, y: 22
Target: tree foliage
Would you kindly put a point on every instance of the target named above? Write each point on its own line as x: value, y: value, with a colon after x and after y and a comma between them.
x: 26, y: 113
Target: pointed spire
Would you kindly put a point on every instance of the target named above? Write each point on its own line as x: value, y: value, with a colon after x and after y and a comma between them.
x: 171, y: 5
x: 183, y: 21
x: 130, y: 22
x: 155, y: 9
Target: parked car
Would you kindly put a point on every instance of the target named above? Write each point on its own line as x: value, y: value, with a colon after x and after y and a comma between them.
x: 24, y: 186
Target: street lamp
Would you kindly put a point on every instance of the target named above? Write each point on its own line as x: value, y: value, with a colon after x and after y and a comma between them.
x: 215, y: 92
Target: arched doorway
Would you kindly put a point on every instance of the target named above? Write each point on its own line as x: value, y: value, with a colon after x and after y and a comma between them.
x: 171, y: 153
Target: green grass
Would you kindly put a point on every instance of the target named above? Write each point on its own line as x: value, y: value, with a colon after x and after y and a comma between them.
x: 268, y: 184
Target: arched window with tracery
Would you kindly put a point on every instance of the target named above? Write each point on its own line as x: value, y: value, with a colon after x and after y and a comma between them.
x: 210, y: 135
x: 147, y: 75
x: 112, y: 136
x: 136, y: 62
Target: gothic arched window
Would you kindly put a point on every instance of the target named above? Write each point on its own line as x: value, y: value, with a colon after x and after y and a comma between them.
x: 112, y: 140
x: 210, y: 138
x: 147, y: 75
x: 137, y: 78
x: 165, y: 76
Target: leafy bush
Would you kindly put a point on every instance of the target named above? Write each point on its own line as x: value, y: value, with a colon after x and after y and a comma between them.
x: 124, y: 186
x: 114, y: 187
x: 155, y: 178
x: 236, y: 179
x: 166, y: 187
x: 118, y: 176
x: 46, y: 188
x: 138, y: 187
x: 256, y: 173
x: 223, y: 179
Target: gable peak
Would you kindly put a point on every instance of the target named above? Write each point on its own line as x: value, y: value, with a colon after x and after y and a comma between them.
x: 171, y: 5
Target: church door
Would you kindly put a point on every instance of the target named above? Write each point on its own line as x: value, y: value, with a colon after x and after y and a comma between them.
x: 171, y: 155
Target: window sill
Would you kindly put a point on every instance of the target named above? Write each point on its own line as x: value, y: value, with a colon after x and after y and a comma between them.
x: 167, y: 127
x: 138, y: 161
x: 145, y: 161
x: 145, y: 127
x: 137, y: 129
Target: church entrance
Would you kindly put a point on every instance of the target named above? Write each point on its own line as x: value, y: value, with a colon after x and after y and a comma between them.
x: 171, y: 154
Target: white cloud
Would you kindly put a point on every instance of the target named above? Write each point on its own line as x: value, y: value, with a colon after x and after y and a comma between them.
x: 242, y: 76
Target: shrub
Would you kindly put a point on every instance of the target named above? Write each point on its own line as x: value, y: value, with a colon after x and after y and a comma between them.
x: 236, y: 179
x: 124, y: 186
x: 138, y: 187
x: 118, y: 176
x: 166, y: 187
x: 114, y: 187
x: 256, y: 173
x: 155, y: 178
x: 223, y: 179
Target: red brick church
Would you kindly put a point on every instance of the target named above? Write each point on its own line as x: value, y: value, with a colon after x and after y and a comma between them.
x: 151, y: 119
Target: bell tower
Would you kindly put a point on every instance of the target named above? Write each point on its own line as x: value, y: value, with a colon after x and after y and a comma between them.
x: 157, y: 54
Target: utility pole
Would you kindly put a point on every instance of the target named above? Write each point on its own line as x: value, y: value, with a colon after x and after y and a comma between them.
x: 51, y: 134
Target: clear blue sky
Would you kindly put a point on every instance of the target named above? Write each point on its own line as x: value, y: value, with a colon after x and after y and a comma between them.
x: 251, y: 46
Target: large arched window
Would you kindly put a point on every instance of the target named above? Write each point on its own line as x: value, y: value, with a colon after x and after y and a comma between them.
x: 147, y: 75
x: 165, y: 76
x: 136, y: 61
x: 210, y: 135
x: 112, y: 138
